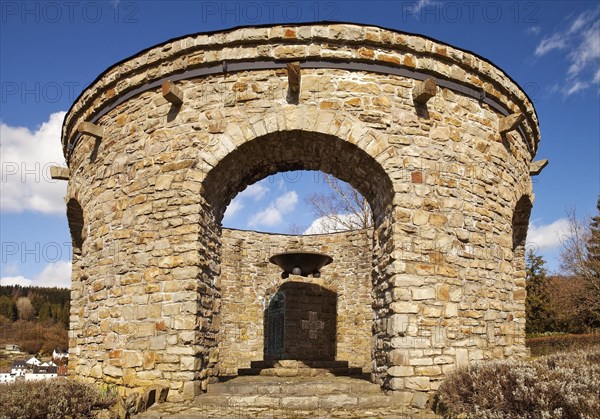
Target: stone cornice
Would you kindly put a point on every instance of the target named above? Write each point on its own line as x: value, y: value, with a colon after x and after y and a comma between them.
x: 329, y: 42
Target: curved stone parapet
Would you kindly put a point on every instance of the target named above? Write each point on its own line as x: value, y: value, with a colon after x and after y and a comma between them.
x: 438, y: 140
x: 320, y: 45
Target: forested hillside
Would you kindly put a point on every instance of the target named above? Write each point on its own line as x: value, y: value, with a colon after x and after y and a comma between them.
x: 36, y: 319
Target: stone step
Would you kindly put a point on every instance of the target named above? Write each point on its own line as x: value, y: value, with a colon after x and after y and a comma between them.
x: 292, y: 363
x: 300, y: 372
x: 295, y: 386
x: 296, y: 397
x: 313, y: 402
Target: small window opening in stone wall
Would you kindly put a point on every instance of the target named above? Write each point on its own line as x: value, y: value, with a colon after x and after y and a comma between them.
x: 520, y: 224
x: 76, y: 223
x: 299, y: 202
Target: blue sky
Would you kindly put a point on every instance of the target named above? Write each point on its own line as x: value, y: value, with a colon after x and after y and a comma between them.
x: 51, y: 50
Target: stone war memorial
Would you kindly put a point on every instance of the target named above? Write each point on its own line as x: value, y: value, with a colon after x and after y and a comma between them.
x: 439, y: 141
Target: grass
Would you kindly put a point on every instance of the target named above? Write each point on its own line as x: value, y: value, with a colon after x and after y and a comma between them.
x: 549, y: 344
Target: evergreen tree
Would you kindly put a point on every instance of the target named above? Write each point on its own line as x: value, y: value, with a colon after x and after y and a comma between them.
x: 593, y: 244
x: 8, y: 308
x: 37, y: 301
x: 592, y: 263
x: 44, y: 313
x: 65, y: 314
x: 537, y: 309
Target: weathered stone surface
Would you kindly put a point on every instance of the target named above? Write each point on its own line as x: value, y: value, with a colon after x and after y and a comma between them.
x: 424, y: 90
x: 161, y: 294
x: 59, y: 173
x: 91, y: 129
x: 247, y: 282
x: 535, y: 168
x: 172, y: 93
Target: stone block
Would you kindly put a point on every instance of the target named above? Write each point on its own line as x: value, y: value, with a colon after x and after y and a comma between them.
x: 423, y: 293
x: 397, y: 324
x: 462, y: 357
x: 130, y: 359
x: 420, y: 400
x: 417, y: 383
x: 404, y: 307
x: 401, y: 371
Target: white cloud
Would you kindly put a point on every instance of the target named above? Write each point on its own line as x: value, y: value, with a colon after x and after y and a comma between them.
x: 287, y: 202
x: 281, y: 185
x: 547, y: 44
x: 587, y: 52
x: 327, y: 224
x: 546, y: 237
x: 234, y: 207
x: 575, y: 87
x: 256, y: 191
x: 582, y: 39
x: 581, y: 20
x: 26, y: 158
x: 57, y: 274
x: 535, y: 30
x: 273, y: 214
x: 597, y: 76
x: 420, y: 4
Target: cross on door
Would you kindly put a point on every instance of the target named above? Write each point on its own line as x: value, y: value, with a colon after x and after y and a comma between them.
x: 313, y: 325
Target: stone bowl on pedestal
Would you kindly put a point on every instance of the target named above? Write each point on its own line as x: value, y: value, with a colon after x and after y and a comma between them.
x: 301, y: 263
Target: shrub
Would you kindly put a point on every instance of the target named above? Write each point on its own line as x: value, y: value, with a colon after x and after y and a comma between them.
x: 55, y: 398
x: 560, y: 386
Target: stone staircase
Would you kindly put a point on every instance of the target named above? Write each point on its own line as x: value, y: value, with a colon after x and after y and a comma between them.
x: 297, y: 393
x: 293, y: 389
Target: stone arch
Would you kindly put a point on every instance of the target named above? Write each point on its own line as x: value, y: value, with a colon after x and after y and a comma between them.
x: 297, y: 150
x: 76, y: 224
x: 331, y: 143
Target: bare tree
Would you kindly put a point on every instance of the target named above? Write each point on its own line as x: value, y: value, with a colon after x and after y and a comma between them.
x: 578, y: 262
x: 574, y: 252
x: 342, y: 208
x: 25, y: 309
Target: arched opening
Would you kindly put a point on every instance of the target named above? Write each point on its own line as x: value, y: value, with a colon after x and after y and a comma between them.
x: 75, y: 219
x: 520, y: 224
x: 237, y: 262
x: 299, y: 202
x: 298, y: 150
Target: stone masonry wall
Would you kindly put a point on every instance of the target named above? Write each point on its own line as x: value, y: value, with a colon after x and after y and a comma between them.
x: 248, y: 279
x: 448, y: 190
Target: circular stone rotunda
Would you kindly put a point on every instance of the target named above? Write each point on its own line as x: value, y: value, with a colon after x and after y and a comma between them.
x: 439, y: 141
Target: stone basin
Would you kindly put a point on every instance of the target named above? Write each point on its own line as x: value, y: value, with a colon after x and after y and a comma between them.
x: 301, y: 263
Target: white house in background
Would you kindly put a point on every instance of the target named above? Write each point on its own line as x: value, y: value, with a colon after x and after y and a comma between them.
x: 18, y: 368
x: 60, y: 354
x: 33, y: 361
x: 41, y: 373
x: 48, y: 364
x: 7, y: 377
x: 12, y: 348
